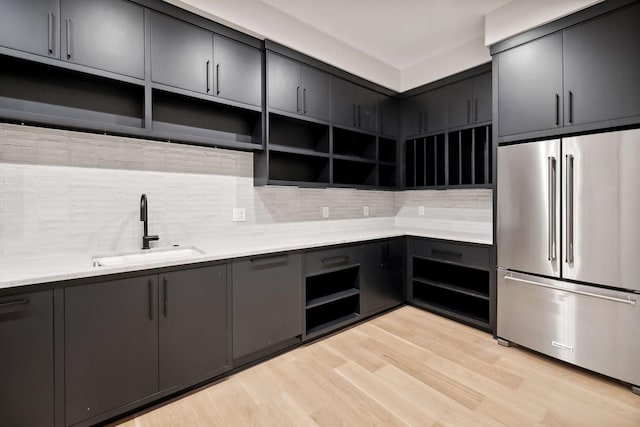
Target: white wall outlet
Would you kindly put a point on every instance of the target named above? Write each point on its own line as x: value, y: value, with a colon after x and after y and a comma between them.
x: 239, y: 214
x: 421, y: 210
x: 325, y: 212
x: 365, y: 211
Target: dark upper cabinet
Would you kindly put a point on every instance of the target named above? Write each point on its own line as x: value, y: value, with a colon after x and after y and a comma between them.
x: 601, y: 68
x: 193, y: 324
x: 31, y: 26
x: 426, y: 112
x: 238, y: 71
x: 267, y: 302
x: 382, y: 283
x: 26, y: 360
x: 530, y: 86
x: 104, y: 34
x: 297, y: 88
x: 181, y: 54
x: 482, y: 94
x: 388, y: 115
x: 459, y: 103
x: 110, y: 344
x: 353, y: 105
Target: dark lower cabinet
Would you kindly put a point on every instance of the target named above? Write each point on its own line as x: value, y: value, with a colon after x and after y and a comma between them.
x: 267, y: 299
x: 111, y: 345
x: 26, y: 360
x: 194, y: 325
x: 383, y: 282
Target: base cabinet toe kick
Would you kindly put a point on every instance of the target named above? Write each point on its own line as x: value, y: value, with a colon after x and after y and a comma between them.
x: 587, y: 326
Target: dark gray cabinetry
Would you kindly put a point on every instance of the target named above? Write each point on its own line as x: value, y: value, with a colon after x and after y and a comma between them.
x: 31, y: 26
x: 426, y: 112
x: 353, y: 105
x: 26, y: 360
x: 601, y: 68
x: 383, y: 275
x: 237, y: 71
x: 105, y: 34
x: 267, y: 295
x: 482, y: 95
x: 388, y: 116
x: 469, y: 101
x: 111, y: 345
x: 194, y: 324
x: 297, y: 88
x: 530, y: 86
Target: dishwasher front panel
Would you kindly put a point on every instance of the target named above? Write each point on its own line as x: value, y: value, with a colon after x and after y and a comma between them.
x: 587, y: 326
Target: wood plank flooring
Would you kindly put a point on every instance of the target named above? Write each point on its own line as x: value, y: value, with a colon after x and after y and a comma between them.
x: 407, y: 367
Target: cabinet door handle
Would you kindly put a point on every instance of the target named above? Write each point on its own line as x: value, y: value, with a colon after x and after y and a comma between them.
x: 50, y: 35
x: 150, y: 291
x: 468, y: 110
x: 570, y: 107
x: 475, y: 109
x: 359, y: 117
x: 259, y: 261
x: 335, y: 260
x: 557, y: 110
x: 551, y: 171
x: 569, y: 184
x: 304, y: 100
x: 166, y: 296
x: 13, y: 306
x: 208, y: 70
x: 298, y: 99
x: 218, y: 79
x: 68, y: 21
x: 353, y: 115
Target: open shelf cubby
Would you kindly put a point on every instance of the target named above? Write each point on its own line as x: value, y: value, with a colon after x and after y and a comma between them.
x: 386, y: 150
x: 454, y: 277
x: 356, y: 144
x: 387, y: 176
x: 333, y: 285
x: 325, y: 317
x: 297, y: 135
x: 298, y: 168
x: 451, y: 303
x: 354, y: 172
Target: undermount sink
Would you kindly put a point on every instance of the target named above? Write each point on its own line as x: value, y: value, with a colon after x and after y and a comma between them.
x: 146, y: 256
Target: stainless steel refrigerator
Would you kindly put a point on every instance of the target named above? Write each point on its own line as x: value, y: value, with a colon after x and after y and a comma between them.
x: 568, y: 237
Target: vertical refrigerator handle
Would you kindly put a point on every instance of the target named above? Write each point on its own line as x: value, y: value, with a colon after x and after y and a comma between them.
x: 551, y: 171
x: 570, y: 196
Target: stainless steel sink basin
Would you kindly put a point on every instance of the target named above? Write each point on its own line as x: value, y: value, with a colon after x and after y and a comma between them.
x: 147, y: 256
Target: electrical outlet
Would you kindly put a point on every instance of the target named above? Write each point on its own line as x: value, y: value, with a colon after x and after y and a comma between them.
x: 421, y: 210
x: 239, y: 214
x: 365, y: 210
x: 325, y: 212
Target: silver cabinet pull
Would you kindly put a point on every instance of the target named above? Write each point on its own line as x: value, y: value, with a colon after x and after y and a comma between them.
x: 298, y: 99
x: 570, y: 213
x: 217, y: 79
x: 208, y: 71
x: 50, y: 36
x: 551, y: 165
x: 629, y: 300
x: 68, y: 21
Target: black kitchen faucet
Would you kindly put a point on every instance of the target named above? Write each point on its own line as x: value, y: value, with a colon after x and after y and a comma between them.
x: 143, y: 217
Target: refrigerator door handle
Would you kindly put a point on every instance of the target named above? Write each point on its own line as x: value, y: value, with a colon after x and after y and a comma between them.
x: 570, y: 195
x: 629, y: 300
x: 551, y: 166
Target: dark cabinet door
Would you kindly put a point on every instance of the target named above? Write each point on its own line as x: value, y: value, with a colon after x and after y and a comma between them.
x: 283, y: 83
x: 482, y: 98
x: 26, y: 360
x: 31, y: 26
x: 601, y: 68
x: 344, y: 108
x: 238, y: 71
x: 111, y: 345
x: 105, y: 34
x: 367, y: 105
x: 316, y: 89
x: 459, y: 103
x: 413, y: 115
x: 530, y: 86
x: 436, y: 110
x: 193, y: 324
x: 383, y: 272
x: 181, y: 54
x: 267, y: 302
x: 388, y: 116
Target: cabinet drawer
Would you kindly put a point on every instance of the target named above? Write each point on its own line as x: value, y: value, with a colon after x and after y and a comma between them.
x: 459, y: 253
x: 327, y: 259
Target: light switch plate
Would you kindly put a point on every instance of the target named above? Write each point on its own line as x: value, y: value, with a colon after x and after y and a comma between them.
x: 421, y: 210
x: 325, y: 212
x: 365, y: 211
x: 239, y: 214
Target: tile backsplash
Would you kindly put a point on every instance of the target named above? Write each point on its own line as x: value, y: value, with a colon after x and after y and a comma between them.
x: 64, y: 191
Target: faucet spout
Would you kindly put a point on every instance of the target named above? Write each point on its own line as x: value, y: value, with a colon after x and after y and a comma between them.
x: 146, y: 238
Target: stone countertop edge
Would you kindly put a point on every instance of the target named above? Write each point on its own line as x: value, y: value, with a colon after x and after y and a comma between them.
x: 77, y: 267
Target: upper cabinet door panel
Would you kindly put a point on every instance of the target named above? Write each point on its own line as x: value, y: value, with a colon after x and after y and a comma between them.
x: 238, y: 71
x: 343, y: 102
x: 459, y: 106
x: 316, y: 89
x: 482, y: 98
x: 31, y: 26
x: 389, y: 115
x: 181, y: 54
x: 436, y: 110
x: 104, y: 34
x: 413, y: 114
x: 367, y: 109
x: 530, y: 86
x: 283, y: 82
x: 602, y: 68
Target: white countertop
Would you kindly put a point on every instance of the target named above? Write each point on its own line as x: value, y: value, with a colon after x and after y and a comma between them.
x: 73, y: 266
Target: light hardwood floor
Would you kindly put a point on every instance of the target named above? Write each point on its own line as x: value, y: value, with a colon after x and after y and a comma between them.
x: 407, y: 367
